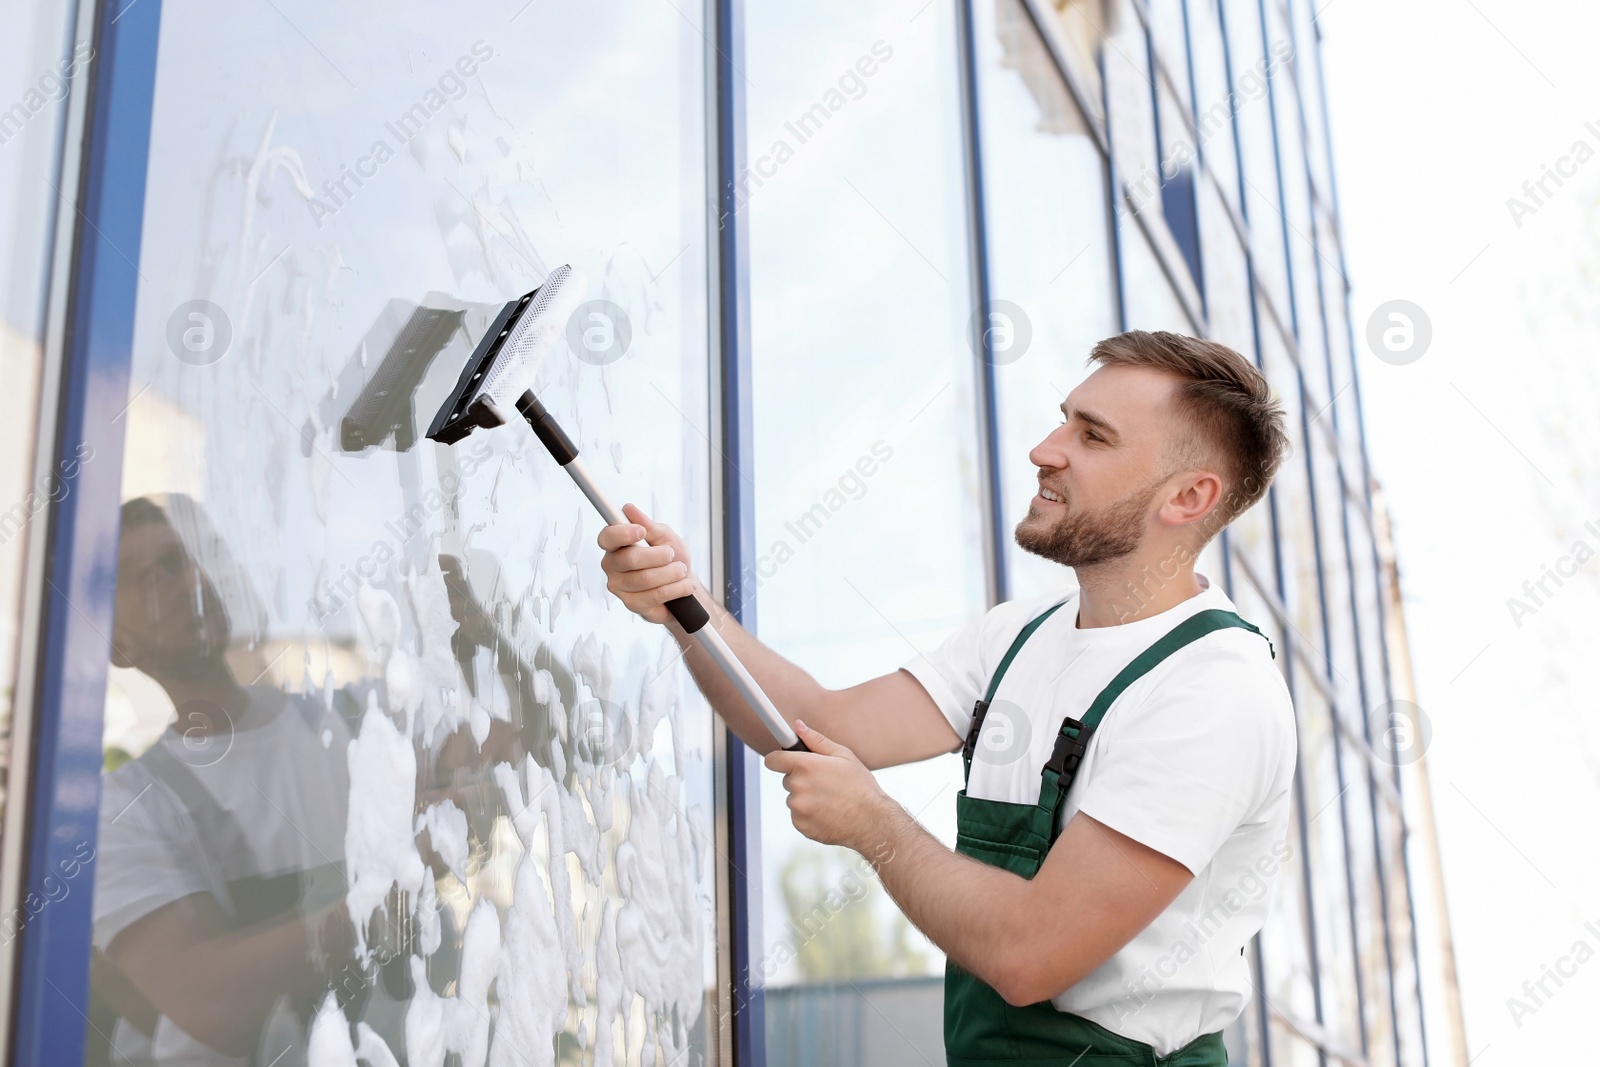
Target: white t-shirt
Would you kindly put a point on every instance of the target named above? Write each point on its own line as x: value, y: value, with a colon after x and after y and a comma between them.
x: 1194, y: 760
x: 286, y: 789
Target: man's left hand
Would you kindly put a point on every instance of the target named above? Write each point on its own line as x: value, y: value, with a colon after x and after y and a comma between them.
x: 833, y: 797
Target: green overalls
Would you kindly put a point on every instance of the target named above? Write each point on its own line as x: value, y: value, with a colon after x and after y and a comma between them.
x: 980, y: 1028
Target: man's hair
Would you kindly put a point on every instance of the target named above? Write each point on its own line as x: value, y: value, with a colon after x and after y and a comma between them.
x: 1236, y: 422
x: 141, y: 510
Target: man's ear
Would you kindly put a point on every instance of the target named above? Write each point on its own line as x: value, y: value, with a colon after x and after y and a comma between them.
x: 1194, y: 495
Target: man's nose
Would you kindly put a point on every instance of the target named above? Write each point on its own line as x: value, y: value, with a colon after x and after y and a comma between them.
x: 1048, y: 453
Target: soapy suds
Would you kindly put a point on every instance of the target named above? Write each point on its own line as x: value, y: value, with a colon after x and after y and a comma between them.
x: 380, y: 846
x: 429, y: 926
x: 447, y: 829
x: 436, y: 666
x: 381, y: 616
x: 650, y: 944
x: 531, y: 990
x: 329, y: 1041
x: 547, y: 798
x: 436, y: 1026
x: 588, y: 664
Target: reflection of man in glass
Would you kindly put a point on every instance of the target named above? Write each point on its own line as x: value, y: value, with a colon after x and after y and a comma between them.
x: 218, y: 904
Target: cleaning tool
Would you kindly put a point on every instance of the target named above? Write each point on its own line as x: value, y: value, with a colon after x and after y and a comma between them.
x: 496, y: 386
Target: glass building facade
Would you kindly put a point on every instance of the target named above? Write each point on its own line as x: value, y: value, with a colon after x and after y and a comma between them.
x: 325, y: 742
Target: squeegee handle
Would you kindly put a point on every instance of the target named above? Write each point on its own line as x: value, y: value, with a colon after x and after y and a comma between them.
x: 688, y: 610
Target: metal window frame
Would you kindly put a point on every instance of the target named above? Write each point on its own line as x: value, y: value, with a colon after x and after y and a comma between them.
x: 18, y: 809
x: 52, y: 975
x: 991, y: 488
x: 734, y: 406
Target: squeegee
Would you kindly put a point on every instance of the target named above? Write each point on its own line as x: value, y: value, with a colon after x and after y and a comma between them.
x: 496, y: 386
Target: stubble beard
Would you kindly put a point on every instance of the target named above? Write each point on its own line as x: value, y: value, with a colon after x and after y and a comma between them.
x: 1084, y: 539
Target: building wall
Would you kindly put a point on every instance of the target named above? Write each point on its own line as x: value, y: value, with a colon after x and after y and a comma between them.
x: 843, y: 264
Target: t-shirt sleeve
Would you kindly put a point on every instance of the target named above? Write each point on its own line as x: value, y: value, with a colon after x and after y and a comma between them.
x: 1204, y: 751
x: 956, y: 674
x: 145, y: 858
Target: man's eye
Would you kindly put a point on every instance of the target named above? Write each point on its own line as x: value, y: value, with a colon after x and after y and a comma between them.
x: 1091, y: 435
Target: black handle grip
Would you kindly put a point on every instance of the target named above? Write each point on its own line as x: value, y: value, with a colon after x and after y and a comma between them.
x: 798, y: 746
x: 547, y: 429
x: 689, y: 612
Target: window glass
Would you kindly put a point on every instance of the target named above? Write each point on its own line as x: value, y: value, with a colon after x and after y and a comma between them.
x: 39, y: 65
x: 1369, y: 884
x: 866, y: 470
x: 1327, y: 806
x: 1180, y: 168
x: 1291, y: 1049
x: 1344, y: 673
x: 1149, y: 301
x: 1051, y: 284
x: 1409, y: 1011
x: 1309, y: 270
x: 1291, y: 493
x: 1215, y: 101
x: 1367, y: 608
x: 1171, y: 48
x: 1341, y: 386
x: 1252, y: 67
x: 1131, y: 95
x: 1077, y: 27
x: 388, y: 771
x: 1307, y: 69
x: 1226, y: 274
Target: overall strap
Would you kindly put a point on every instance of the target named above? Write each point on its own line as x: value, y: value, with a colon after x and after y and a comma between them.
x: 981, y: 708
x: 1073, y: 739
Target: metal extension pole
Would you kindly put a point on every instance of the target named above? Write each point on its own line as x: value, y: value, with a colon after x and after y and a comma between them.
x: 689, y: 612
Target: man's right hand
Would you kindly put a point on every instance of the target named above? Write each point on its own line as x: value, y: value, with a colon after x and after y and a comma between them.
x: 644, y: 577
x: 884, y: 721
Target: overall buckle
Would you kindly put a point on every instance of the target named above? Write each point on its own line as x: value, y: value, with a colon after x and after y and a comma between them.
x: 1069, y: 749
x: 970, y: 745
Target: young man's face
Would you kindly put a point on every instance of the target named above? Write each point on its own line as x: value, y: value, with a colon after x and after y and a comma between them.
x: 168, y: 616
x: 1103, y: 465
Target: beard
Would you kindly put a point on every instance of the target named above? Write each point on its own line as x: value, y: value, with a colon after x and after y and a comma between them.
x: 1082, y: 539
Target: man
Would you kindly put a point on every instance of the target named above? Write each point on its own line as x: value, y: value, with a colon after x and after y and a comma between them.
x: 1121, y: 827
x: 219, y: 876
x: 221, y: 919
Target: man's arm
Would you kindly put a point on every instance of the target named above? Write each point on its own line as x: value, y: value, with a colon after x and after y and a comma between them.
x: 1029, y: 939
x: 886, y: 721
x: 216, y: 984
